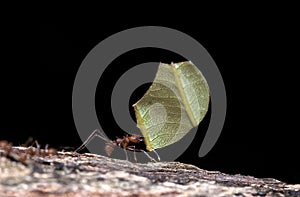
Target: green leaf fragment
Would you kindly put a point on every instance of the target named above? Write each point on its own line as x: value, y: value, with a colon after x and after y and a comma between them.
x: 176, y: 102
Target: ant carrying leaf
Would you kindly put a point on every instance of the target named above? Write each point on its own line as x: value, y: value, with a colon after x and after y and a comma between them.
x: 176, y: 102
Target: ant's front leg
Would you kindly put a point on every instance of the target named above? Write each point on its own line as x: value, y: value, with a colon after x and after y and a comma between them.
x: 151, y: 158
x: 132, y: 148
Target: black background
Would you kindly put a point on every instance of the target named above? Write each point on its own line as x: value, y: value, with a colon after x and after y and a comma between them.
x: 260, y: 135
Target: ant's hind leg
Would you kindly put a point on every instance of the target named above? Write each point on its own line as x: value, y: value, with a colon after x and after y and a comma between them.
x: 96, y: 133
x: 125, y: 154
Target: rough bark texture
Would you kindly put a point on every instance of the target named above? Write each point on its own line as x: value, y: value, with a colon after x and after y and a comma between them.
x: 69, y: 174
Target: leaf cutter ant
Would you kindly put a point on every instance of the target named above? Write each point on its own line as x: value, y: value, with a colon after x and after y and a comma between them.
x: 128, y: 142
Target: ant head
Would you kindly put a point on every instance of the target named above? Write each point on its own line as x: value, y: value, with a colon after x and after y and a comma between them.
x: 135, y: 138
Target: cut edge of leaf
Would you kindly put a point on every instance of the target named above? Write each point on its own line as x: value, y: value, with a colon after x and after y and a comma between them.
x: 141, y: 125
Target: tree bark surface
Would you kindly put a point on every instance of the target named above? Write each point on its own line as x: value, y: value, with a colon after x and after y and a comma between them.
x: 69, y: 174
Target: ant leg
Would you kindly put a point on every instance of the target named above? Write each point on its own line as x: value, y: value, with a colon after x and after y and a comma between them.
x: 46, y: 148
x: 96, y: 133
x: 125, y: 154
x: 134, y: 154
x: 151, y: 158
x: 156, y: 154
x: 132, y: 148
x: 28, y: 142
x: 38, y: 147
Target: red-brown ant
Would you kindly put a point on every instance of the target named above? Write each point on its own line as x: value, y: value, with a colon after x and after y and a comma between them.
x: 120, y: 142
x: 16, y: 155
